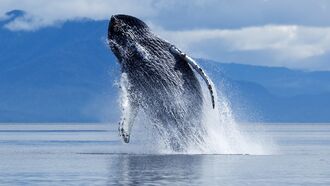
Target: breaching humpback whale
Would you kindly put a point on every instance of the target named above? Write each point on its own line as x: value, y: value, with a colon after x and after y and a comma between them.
x: 158, y: 79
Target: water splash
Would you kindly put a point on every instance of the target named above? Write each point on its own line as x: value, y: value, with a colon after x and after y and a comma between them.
x: 223, y: 135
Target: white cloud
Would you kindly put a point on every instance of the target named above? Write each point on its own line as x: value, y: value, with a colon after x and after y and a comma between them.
x: 173, y: 14
x: 303, y: 40
x: 4, y: 17
x: 28, y: 23
x: 287, y: 45
x: 41, y: 13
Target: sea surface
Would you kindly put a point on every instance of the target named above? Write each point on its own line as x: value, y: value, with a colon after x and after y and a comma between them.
x: 92, y: 154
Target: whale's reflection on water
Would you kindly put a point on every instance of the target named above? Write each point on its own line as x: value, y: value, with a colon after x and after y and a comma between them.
x: 64, y: 155
x: 151, y: 169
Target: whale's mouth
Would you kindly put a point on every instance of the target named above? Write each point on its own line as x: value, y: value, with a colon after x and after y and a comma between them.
x: 116, y: 38
x: 123, y: 28
x: 124, y: 35
x: 113, y: 26
x: 120, y: 30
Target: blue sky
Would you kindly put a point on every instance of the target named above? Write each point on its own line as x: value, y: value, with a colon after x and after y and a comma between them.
x: 289, y: 33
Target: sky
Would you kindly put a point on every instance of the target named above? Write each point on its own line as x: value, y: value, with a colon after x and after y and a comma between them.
x: 288, y: 33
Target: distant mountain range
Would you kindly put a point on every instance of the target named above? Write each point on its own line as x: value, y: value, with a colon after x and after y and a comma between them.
x: 67, y: 74
x: 272, y: 94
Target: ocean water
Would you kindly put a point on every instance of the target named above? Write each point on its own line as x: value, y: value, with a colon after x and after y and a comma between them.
x: 92, y: 154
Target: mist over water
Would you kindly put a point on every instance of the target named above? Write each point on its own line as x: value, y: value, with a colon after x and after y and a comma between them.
x: 225, y: 135
x: 221, y: 133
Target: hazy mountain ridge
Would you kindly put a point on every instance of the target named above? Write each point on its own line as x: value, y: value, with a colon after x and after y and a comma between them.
x: 67, y: 74
x: 274, y: 94
x: 56, y: 73
x: 279, y: 80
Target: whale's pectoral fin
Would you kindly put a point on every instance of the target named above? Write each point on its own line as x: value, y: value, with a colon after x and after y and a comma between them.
x: 126, y: 123
x: 130, y: 109
x: 174, y: 50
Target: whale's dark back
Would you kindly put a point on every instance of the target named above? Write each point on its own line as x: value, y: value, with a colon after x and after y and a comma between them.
x: 165, y: 85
